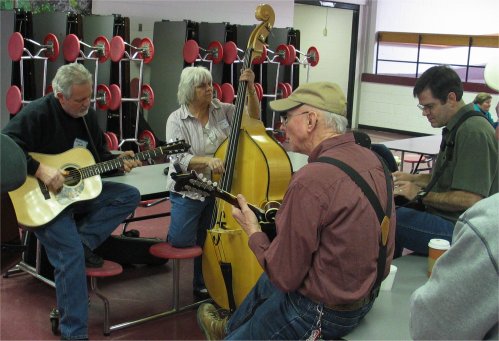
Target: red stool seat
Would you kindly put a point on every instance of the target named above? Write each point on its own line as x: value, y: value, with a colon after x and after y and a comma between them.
x: 413, y: 158
x: 416, y: 160
x: 165, y: 250
x: 106, y: 270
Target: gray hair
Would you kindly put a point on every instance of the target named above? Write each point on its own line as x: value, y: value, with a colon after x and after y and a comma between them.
x: 69, y: 75
x: 190, y: 78
x: 337, y: 122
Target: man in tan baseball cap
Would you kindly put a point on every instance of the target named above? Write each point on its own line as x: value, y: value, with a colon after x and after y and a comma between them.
x: 313, y: 112
x: 321, y: 95
x: 322, y: 264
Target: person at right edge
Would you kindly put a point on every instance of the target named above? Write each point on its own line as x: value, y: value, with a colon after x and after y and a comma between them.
x: 320, y: 271
x: 463, y: 290
x: 465, y: 171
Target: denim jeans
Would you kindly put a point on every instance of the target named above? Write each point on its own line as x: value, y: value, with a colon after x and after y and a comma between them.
x: 188, y: 224
x: 416, y: 228
x: 63, y: 238
x: 267, y: 313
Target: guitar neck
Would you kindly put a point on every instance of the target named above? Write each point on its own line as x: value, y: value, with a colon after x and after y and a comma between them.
x: 231, y: 199
x: 107, y: 166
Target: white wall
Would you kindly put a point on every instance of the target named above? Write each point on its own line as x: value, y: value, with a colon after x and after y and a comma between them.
x: 438, y: 16
x: 333, y: 47
x: 394, y: 107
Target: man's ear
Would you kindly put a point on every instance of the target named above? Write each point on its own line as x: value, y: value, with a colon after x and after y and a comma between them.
x: 312, y: 119
x: 452, y: 97
x: 59, y: 96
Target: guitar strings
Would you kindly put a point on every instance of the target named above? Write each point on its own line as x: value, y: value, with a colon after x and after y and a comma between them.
x: 76, y: 173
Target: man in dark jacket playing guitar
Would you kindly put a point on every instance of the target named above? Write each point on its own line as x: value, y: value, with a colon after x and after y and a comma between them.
x: 57, y: 123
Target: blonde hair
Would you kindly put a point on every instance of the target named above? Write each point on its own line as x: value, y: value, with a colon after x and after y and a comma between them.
x: 481, y: 97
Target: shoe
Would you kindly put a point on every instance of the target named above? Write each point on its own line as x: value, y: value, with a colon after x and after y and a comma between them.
x: 201, y: 294
x: 91, y: 259
x: 210, y: 322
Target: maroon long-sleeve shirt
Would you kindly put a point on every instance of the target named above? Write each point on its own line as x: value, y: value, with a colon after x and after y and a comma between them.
x: 327, y: 240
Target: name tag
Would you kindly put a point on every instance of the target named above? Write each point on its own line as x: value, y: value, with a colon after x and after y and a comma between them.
x: 80, y: 143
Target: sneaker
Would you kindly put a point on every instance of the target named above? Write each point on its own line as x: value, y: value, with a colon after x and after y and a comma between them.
x: 210, y: 322
x: 91, y: 259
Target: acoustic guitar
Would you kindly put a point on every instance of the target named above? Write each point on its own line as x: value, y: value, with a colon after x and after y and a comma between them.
x: 35, y: 205
x: 195, y: 183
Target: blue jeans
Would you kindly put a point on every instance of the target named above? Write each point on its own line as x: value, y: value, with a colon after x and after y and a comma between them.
x: 267, y: 313
x: 63, y: 238
x: 416, y: 228
x: 188, y: 224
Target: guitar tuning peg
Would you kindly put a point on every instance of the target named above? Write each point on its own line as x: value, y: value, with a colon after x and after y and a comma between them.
x: 215, y: 184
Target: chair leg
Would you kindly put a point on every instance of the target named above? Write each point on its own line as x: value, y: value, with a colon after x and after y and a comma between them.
x: 176, y: 279
x: 125, y: 225
x: 95, y: 289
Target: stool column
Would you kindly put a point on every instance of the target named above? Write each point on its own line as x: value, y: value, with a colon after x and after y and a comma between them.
x: 176, y: 284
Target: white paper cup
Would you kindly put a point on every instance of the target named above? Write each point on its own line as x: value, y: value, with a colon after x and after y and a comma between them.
x: 436, y: 248
x: 387, y: 284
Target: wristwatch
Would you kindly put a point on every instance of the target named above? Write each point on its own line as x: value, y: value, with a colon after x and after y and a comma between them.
x: 419, y: 197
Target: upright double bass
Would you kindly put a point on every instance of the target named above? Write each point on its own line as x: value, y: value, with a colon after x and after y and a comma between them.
x: 255, y: 165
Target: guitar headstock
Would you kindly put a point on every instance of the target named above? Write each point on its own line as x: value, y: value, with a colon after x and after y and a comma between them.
x: 194, y: 183
x: 179, y: 146
x: 257, y: 40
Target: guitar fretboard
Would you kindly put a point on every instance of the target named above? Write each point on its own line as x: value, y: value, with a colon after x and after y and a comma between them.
x: 106, y: 166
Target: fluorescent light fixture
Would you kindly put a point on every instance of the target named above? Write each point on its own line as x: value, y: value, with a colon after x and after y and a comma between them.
x: 328, y: 4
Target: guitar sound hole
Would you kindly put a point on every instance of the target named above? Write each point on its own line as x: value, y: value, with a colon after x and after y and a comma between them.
x: 73, y: 177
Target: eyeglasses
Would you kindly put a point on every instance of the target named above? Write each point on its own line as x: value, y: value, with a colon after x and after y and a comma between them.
x: 426, y: 107
x: 285, y: 118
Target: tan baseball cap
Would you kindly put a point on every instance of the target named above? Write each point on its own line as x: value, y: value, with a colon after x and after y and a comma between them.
x: 322, y: 95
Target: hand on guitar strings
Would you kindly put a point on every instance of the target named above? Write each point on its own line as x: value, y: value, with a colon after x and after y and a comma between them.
x: 129, y: 161
x: 248, y: 76
x: 53, y: 178
x: 245, y: 216
x: 216, y: 165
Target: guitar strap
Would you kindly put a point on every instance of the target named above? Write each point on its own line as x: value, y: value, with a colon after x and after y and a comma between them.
x: 383, y: 215
x: 447, y: 147
x: 91, y: 140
